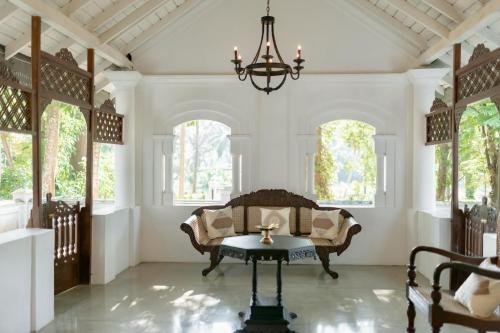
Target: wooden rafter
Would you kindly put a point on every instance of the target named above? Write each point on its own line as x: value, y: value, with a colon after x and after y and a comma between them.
x: 384, y: 25
x: 64, y: 24
x: 108, y: 14
x: 132, y: 19
x: 187, y: 6
x: 474, y: 23
x: 24, y: 41
x: 7, y: 10
x: 419, y: 16
x: 446, y: 9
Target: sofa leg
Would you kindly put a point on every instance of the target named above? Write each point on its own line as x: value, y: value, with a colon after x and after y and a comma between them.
x: 324, y: 256
x: 411, y: 313
x: 214, y: 261
x: 436, y: 329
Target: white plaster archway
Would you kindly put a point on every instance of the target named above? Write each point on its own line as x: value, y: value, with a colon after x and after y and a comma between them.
x: 347, y: 110
x: 200, y: 110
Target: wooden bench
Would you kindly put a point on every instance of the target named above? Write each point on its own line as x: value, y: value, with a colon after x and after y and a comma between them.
x: 246, y: 216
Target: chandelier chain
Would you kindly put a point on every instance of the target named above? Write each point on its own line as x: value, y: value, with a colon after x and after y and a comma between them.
x: 268, y: 7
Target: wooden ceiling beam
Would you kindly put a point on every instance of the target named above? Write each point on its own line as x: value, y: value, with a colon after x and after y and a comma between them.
x: 133, y: 18
x: 62, y: 23
x: 419, y: 16
x: 474, y: 23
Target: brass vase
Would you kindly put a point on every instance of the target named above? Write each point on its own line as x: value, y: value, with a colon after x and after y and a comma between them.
x: 266, y: 233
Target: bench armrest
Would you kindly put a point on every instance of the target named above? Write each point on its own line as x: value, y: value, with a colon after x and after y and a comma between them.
x: 476, y: 261
x: 349, y: 228
x: 195, y: 229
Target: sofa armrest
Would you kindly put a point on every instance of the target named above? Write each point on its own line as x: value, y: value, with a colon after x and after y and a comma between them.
x: 349, y: 228
x: 193, y: 226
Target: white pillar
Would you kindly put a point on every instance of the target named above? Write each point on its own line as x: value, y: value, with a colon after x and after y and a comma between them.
x: 423, y: 87
x: 423, y: 84
x: 127, y: 164
x: 240, y: 152
x: 124, y: 83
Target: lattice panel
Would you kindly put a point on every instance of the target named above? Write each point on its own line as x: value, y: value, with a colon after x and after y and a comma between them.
x: 65, y: 79
x: 480, y: 78
x: 438, y: 123
x: 108, y: 125
x: 15, y: 103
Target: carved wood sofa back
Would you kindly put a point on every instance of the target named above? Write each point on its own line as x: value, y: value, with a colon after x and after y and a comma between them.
x: 272, y: 198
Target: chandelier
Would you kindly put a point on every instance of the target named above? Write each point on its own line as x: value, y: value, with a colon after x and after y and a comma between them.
x: 269, y: 67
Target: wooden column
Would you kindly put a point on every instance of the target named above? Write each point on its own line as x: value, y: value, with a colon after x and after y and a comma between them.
x: 457, y: 221
x: 86, y: 226
x: 36, y: 112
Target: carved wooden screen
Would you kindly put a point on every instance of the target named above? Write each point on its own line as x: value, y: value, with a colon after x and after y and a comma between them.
x: 62, y: 79
x: 480, y: 78
x: 479, y: 220
x: 108, y: 124
x: 15, y: 103
x: 438, y: 123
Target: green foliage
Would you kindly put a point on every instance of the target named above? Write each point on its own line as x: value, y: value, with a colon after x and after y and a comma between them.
x: 18, y: 176
x: 207, y: 159
x: 479, y: 129
x: 70, y: 173
x: 106, y: 181
x: 71, y: 158
x: 345, y: 166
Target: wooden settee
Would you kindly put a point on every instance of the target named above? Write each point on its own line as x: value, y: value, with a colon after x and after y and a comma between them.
x: 246, y: 216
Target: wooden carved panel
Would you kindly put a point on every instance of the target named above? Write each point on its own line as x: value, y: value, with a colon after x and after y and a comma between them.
x: 481, y: 77
x: 15, y: 103
x: 61, y: 79
x: 439, y: 123
x: 108, y: 124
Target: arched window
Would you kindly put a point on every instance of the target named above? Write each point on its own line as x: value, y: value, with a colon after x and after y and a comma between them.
x: 346, y: 163
x: 202, y: 170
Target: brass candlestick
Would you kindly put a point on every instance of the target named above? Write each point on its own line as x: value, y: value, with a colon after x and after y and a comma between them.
x: 266, y: 233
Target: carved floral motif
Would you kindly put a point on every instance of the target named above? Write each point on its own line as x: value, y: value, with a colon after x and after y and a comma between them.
x: 479, y: 51
x: 65, y: 55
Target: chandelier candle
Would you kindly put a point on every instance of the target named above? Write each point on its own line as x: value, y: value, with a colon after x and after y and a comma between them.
x: 268, y: 68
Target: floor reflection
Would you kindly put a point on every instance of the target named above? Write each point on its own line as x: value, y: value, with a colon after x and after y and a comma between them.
x: 175, y: 298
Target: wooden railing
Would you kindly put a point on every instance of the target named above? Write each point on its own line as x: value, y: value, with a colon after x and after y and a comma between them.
x: 479, y: 220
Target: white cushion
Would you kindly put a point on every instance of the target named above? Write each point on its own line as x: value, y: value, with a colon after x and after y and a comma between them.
x: 280, y: 217
x: 220, y: 223
x: 480, y: 294
x: 325, y: 224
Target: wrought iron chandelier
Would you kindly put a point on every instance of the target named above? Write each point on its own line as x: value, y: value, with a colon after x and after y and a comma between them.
x: 269, y: 67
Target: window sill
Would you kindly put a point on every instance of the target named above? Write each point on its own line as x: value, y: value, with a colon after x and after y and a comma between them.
x: 196, y: 203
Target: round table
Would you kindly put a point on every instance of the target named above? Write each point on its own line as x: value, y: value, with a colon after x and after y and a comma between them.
x: 267, y: 314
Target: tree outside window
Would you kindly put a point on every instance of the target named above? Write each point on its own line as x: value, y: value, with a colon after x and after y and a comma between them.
x: 202, y: 168
x: 346, y: 165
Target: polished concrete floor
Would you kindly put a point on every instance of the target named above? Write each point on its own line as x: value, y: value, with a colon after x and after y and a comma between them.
x: 175, y: 298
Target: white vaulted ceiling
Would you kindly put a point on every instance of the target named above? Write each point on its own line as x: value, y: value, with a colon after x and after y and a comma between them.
x: 196, y: 36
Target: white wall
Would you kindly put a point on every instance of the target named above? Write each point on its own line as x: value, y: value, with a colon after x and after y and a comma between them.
x: 26, y: 280
x: 113, y: 248
x: 274, y: 124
